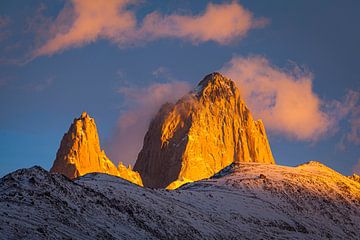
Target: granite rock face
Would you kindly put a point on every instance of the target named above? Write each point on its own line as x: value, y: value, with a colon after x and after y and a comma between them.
x: 80, y: 153
x: 205, y: 131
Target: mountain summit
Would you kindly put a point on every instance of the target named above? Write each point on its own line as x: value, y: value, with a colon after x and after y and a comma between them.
x: 205, y: 131
x: 80, y: 153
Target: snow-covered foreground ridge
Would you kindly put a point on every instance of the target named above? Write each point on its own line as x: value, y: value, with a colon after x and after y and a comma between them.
x: 244, y: 201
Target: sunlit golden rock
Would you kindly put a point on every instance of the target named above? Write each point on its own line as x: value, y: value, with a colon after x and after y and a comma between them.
x: 355, y: 177
x: 80, y: 153
x: 202, y: 133
x: 128, y: 174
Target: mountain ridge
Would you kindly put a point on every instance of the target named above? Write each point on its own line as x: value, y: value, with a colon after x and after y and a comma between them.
x: 248, y: 201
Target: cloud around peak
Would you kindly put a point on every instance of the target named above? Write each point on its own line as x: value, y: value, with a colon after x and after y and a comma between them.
x: 117, y: 22
x: 141, y: 104
x: 285, y: 99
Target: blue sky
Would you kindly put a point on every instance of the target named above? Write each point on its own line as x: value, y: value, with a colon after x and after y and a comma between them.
x: 113, y: 73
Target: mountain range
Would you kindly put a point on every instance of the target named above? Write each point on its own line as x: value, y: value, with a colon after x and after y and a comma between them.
x: 205, y: 171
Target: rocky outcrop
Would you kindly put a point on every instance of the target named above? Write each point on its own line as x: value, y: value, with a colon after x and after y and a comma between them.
x: 202, y: 133
x: 80, y: 153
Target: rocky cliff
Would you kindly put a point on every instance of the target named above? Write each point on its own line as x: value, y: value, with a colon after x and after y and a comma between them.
x: 80, y: 153
x: 202, y: 133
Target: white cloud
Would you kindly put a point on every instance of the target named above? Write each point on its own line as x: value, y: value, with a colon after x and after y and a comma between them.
x: 285, y: 100
x: 84, y: 21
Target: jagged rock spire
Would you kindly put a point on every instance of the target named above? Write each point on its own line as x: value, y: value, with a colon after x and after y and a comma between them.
x: 80, y: 153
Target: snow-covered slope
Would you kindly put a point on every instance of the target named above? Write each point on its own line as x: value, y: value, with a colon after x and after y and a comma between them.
x: 244, y: 201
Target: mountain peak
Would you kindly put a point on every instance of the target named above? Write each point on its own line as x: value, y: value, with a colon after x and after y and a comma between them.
x: 84, y: 115
x: 80, y: 153
x: 200, y: 135
x: 216, y: 85
x: 214, y: 78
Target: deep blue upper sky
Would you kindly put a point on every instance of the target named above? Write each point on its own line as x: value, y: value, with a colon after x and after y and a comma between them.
x: 40, y: 98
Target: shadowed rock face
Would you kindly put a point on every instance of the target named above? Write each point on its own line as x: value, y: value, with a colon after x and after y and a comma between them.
x: 80, y: 153
x: 202, y: 133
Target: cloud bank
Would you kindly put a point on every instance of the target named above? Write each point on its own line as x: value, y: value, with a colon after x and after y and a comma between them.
x: 84, y: 21
x: 142, y: 103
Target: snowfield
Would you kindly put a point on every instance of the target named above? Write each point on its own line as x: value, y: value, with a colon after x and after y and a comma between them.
x: 244, y: 201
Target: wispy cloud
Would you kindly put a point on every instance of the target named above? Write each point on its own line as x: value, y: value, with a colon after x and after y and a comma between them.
x: 354, y: 135
x: 349, y: 108
x: 285, y: 100
x: 4, y: 81
x: 40, y: 85
x: 163, y: 73
x: 221, y: 23
x: 356, y: 168
x: 142, y: 104
x: 91, y: 20
x: 83, y: 22
x: 4, y: 23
